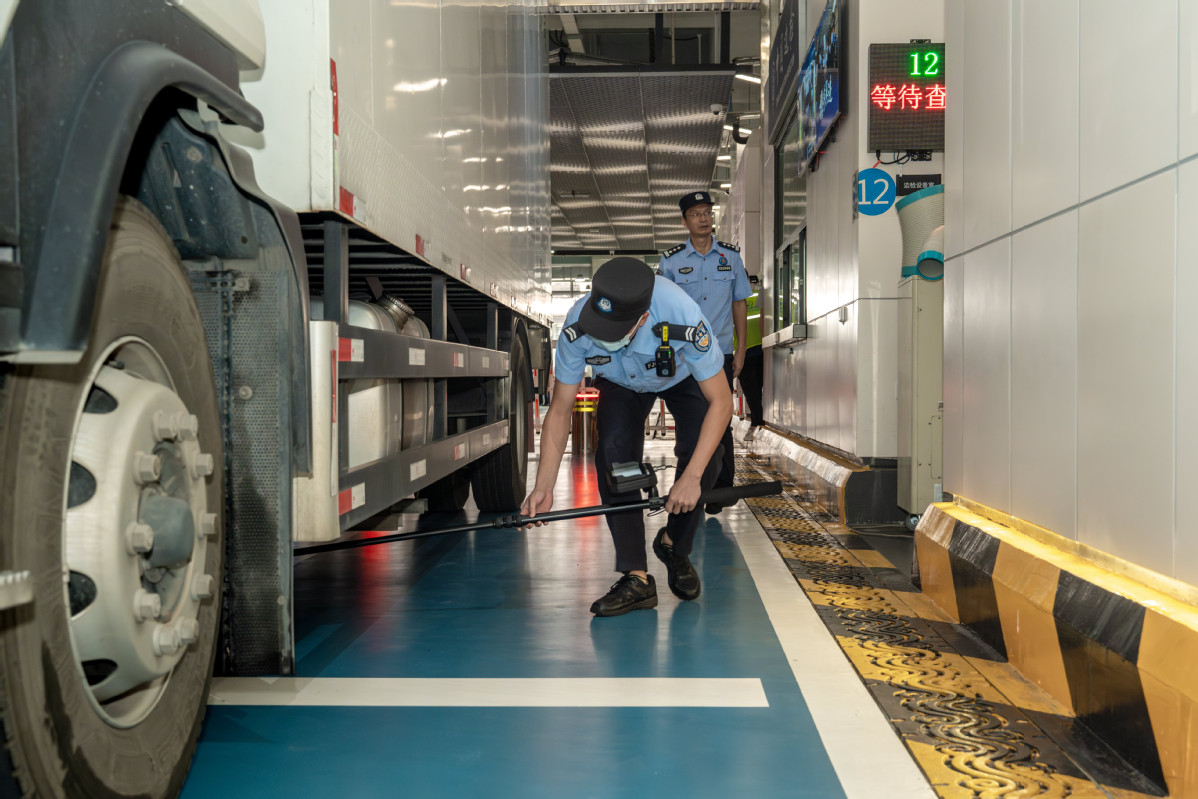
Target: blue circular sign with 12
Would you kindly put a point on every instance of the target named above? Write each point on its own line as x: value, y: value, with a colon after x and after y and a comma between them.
x: 875, y: 191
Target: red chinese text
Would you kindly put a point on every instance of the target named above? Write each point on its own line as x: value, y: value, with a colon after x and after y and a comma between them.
x: 908, y: 97
x: 883, y: 97
x: 935, y: 96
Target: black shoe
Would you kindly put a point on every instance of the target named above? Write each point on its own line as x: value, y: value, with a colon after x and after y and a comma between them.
x: 628, y: 593
x: 681, y: 575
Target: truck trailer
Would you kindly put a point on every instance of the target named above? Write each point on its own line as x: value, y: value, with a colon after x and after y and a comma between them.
x: 267, y: 271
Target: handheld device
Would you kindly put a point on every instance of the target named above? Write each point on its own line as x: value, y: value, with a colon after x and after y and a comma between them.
x: 625, y: 478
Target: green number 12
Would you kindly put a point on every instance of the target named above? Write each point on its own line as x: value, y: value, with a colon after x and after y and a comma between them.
x: 931, y: 64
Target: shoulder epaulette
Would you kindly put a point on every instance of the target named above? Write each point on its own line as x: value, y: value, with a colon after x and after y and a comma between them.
x: 728, y: 246
x: 571, y: 332
x: 674, y: 250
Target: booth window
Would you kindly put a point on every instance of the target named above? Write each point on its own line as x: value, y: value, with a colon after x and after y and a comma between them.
x: 790, y: 234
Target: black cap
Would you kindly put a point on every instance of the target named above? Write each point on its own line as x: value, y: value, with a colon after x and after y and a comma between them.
x: 621, y: 291
x: 694, y: 198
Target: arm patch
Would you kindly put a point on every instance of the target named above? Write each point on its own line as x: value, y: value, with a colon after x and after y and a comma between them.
x: 696, y: 334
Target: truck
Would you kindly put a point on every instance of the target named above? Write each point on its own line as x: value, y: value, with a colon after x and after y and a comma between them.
x: 267, y: 271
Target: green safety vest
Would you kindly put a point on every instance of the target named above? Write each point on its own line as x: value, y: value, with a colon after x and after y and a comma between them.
x: 753, y: 310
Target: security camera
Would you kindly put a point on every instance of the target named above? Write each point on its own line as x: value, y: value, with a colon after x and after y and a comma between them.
x: 716, y: 108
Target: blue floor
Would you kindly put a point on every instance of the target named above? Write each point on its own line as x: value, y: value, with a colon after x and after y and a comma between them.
x: 515, y: 605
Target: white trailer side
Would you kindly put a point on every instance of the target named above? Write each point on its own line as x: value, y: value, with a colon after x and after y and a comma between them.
x: 422, y: 123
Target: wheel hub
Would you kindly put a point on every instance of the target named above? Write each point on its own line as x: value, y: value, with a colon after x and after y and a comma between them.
x: 136, y: 535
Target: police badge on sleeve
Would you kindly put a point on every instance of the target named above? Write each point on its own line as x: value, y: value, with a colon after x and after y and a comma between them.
x: 702, y: 337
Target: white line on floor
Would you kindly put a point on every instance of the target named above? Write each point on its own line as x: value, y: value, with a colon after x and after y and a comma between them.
x: 867, y: 754
x: 466, y: 692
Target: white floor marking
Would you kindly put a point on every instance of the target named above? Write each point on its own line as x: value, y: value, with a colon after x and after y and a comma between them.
x: 470, y: 692
x: 868, y: 756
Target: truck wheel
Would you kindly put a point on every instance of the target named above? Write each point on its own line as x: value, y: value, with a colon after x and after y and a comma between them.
x: 500, y: 477
x: 449, y: 494
x: 110, y: 493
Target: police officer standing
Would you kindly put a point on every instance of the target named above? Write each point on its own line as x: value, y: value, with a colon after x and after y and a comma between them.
x: 714, y: 276
x: 644, y: 338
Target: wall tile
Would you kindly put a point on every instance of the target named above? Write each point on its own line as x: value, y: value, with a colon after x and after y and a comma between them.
x: 1128, y: 107
x: 954, y: 366
x: 877, y: 378
x: 987, y: 126
x: 846, y: 230
x: 1125, y: 433
x: 823, y: 257
x: 1044, y: 374
x: 846, y: 378
x: 1187, y: 94
x: 818, y: 388
x: 1185, y: 544
x: 954, y: 128
x: 829, y: 382
x: 1044, y: 102
x: 986, y: 390
x: 880, y: 255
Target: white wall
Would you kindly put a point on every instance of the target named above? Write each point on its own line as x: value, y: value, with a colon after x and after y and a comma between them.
x: 841, y: 386
x: 1071, y: 357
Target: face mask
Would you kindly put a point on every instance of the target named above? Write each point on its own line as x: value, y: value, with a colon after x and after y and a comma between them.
x: 613, y: 346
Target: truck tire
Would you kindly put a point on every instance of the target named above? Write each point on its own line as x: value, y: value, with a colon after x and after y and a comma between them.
x: 111, y: 491
x: 449, y: 494
x: 500, y: 477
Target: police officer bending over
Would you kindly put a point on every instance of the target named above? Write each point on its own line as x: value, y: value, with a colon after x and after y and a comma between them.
x: 619, y: 329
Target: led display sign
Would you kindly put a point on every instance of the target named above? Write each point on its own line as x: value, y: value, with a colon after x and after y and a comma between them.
x: 819, y: 83
x: 907, y: 97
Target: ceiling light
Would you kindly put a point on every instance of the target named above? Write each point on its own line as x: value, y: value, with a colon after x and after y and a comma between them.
x: 725, y: 185
x: 749, y: 78
x: 723, y: 158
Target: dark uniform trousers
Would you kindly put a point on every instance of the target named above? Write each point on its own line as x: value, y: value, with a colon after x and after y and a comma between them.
x: 728, y: 463
x: 751, y: 377
x: 621, y: 438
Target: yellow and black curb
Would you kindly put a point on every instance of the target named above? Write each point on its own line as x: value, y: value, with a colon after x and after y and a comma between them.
x: 853, y: 492
x: 1119, y: 653
x: 971, y: 722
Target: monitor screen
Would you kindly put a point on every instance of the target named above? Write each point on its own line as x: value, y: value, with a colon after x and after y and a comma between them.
x: 819, y: 83
x: 906, y: 97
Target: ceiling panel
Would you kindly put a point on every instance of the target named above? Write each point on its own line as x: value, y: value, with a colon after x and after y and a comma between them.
x: 624, y: 146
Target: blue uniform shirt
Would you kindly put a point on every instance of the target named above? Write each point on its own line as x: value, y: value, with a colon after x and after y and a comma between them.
x: 714, y: 281
x: 629, y: 367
